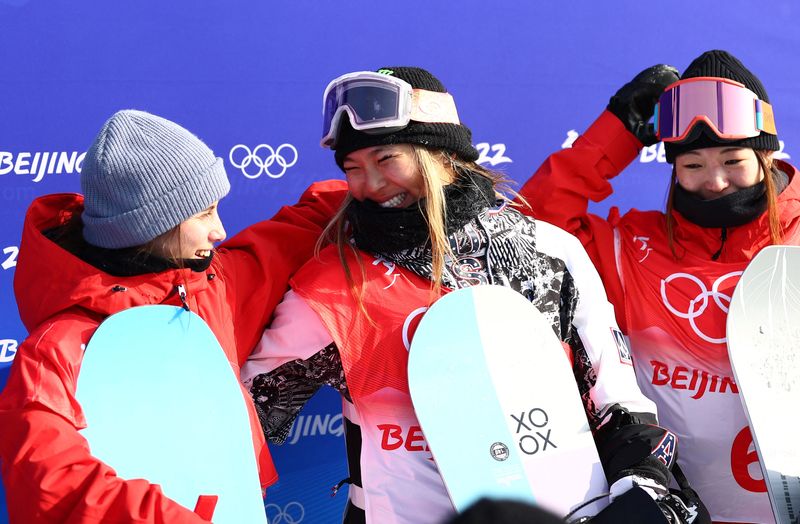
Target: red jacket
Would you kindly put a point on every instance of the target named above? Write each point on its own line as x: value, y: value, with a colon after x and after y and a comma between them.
x: 673, y: 310
x: 560, y: 190
x: 49, y: 473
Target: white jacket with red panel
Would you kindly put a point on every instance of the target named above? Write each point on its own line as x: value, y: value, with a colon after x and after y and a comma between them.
x: 672, y: 310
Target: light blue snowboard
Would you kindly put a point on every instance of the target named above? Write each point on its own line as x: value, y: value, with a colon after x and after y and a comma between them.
x: 498, y: 404
x: 763, y: 331
x: 163, y: 404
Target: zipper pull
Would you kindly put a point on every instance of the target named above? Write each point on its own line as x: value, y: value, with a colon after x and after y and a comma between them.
x: 335, y: 489
x: 182, y: 295
x: 723, y: 236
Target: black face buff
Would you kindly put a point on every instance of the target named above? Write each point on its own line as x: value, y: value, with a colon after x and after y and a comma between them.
x: 386, y: 230
x: 732, y: 210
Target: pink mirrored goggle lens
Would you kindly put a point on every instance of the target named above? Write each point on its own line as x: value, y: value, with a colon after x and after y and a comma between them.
x: 731, y: 110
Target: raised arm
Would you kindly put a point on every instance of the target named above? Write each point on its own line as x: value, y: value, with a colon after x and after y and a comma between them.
x: 258, y: 262
x: 560, y: 190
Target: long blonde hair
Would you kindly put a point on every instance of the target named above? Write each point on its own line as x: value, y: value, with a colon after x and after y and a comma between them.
x: 773, y: 213
x: 431, y: 164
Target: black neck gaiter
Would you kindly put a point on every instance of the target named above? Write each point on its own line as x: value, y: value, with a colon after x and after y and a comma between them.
x: 387, y: 230
x: 123, y: 262
x: 735, y: 209
x: 131, y: 262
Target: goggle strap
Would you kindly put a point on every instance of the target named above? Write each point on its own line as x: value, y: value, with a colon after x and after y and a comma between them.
x: 765, y: 118
x: 433, y: 107
x: 655, y: 120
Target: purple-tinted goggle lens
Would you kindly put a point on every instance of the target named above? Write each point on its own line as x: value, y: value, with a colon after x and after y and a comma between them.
x: 371, y: 104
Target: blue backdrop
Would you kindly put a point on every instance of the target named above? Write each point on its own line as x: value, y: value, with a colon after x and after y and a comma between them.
x: 242, y: 74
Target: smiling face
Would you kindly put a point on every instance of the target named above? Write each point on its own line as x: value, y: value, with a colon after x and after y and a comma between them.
x: 389, y: 175
x: 714, y: 172
x: 194, y: 238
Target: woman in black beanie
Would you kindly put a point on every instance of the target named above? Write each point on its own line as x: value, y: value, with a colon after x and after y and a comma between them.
x: 671, y: 275
x: 422, y: 217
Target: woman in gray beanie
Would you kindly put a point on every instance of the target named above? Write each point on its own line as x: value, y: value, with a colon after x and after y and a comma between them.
x: 142, y: 233
x: 422, y: 217
x: 671, y: 275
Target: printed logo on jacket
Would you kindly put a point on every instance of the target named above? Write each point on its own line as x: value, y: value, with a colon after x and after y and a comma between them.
x: 698, y: 381
x: 395, y: 436
x: 687, y: 297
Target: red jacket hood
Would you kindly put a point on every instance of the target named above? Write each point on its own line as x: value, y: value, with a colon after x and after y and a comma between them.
x: 49, y: 279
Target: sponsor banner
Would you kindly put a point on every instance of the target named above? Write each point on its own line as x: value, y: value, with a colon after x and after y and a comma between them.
x: 311, y: 463
x: 36, y: 165
x: 254, y: 96
x: 8, y: 350
x: 312, y: 425
x: 263, y: 159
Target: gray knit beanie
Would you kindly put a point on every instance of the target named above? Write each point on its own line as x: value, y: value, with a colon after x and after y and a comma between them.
x: 144, y: 175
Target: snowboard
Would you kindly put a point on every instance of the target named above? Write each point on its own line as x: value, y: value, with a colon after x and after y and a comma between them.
x: 162, y: 403
x: 497, y: 401
x: 763, y: 331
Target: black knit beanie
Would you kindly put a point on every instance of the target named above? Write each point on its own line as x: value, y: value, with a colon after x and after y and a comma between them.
x: 721, y: 64
x: 450, y: 137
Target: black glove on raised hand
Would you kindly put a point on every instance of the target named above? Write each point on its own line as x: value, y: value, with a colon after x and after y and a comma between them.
x: 635, y: 102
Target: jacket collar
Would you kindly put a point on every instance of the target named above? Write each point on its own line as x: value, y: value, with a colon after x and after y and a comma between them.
x: 49, y: 279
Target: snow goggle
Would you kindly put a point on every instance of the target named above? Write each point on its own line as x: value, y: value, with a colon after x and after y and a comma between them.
x: 377, y: 104
x: 730, y: 109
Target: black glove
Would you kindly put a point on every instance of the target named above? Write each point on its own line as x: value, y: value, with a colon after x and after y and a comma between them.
x: 635, y: 102
x: 636, y: 507
x: 684, y: 507
x: 630, y: 444
x: 632, y: 507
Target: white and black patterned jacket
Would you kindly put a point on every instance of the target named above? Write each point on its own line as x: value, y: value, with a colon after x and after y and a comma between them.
x: 501, y: 246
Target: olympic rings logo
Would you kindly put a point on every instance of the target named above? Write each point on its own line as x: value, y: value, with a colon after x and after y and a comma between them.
x: 292, y: 513
x: 700, y: 302
x: 262, y: 158
x: 407, y: 326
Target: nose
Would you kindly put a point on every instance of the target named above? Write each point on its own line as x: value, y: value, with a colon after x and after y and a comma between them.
x: 374, y: 183
x: 717, y: 181
x: 217, y: 232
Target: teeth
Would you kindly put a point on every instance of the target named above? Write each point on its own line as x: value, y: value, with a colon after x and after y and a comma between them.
x: 394, y: 201
x: 203, y: 253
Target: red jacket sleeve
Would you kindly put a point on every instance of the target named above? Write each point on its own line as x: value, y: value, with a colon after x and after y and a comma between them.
x: 48, y: 470
x: 259, y: 261
x: 560, y: 190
